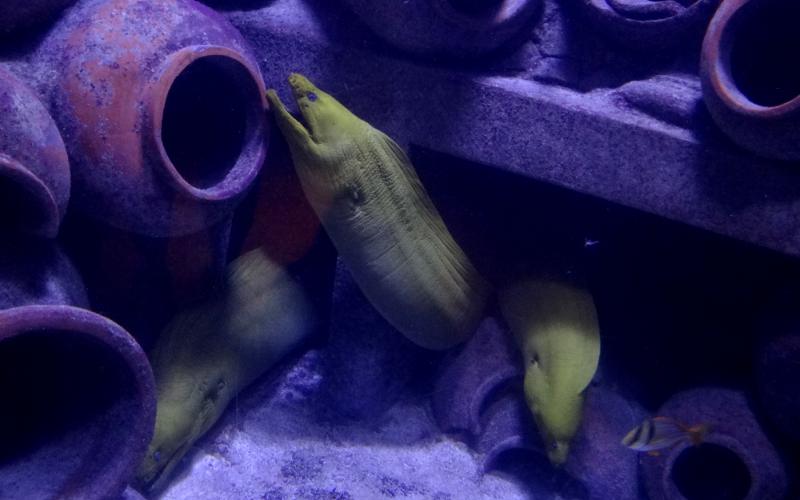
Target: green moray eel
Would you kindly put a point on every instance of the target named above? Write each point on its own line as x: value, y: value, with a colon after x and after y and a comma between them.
x: 209, y: 353
x: 382, y: 222
x: 556, y: 327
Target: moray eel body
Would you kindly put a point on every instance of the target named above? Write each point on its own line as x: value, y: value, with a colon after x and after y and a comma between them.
x: 556, y: 326
x: 382, y: 222
x: 209, y: 353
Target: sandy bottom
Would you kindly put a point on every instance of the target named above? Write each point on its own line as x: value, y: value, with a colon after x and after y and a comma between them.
x: 274, y: 444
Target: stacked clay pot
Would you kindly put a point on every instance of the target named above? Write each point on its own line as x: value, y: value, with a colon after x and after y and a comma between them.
x: 78, y: 392
x: 34, y: 169
x: 656, y: 25
x: 162, y: 110
x: 735, y: 459
x: 161, y: 106
x: 749, y: 84
x: 449, y: 28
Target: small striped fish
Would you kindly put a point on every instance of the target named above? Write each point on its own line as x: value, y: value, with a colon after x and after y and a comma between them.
x: 658, y: 433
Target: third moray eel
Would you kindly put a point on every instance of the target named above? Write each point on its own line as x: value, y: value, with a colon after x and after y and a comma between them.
x: 385, y: 227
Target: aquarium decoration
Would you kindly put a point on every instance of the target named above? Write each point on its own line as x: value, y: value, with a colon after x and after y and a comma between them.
x: 497, y: 249
x: 751, y: 95
x: 34, y: 169
x: 161, y: 107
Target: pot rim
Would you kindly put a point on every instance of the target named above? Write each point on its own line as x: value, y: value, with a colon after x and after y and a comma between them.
x: 253, y: 151
x: 717, y: 71
x: 42, y: 196
x: 726, y: 441
x: 17, y: 321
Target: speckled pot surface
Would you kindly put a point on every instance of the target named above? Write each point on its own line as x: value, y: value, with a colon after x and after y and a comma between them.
x: 161, y: 105
x: 34, y: 169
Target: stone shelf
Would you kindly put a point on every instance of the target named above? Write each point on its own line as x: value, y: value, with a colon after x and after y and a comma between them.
x: 647, y: 144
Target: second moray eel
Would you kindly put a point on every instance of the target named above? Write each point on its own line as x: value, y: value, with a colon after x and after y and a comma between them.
x: 210, y: 352
x: 555, y: 324
x: 378, y: 215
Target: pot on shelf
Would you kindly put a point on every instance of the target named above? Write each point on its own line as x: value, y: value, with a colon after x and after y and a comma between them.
x: 77, y: 391
x: 750, y: 86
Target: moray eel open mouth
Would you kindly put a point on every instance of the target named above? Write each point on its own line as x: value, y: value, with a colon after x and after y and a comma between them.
x: 305, y: 95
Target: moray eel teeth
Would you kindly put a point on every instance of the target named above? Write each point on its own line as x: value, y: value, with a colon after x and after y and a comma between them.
x: 381, y: 220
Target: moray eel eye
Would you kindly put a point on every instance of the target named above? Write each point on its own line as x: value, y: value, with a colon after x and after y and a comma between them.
x: 311, y: 96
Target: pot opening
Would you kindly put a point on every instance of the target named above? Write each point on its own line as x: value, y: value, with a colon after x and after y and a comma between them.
x: 210, y: 114
x: 25, y: 206
x: 711, y: 471
x: 66, y: 403
x: 763, y: 41
x: 477, y: 9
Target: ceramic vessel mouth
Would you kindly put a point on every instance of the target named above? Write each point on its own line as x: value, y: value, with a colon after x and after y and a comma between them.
x: 748, y: 54
x: 209, y: 122
x: 704, y: 471
x: 78, y: 403
x: 480, y: 14
x: 26, y: 203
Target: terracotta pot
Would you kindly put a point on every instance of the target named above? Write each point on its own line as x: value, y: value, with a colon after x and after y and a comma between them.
x: 750, y: 85
x: 16, y: 15
x: 457, y: 28
x: 34, y: 169
x: 638, y: 25
x: 162, y: 107
x: 77, y: 390
x: 735, y: 460
x: 78, y: 399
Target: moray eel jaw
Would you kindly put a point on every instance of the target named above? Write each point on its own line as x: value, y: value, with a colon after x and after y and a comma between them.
x: 328, y: 121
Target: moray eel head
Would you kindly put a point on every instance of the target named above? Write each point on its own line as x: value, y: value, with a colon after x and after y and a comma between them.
x: 185, y: 411
x: 326, y: 120
x: 557, y: 414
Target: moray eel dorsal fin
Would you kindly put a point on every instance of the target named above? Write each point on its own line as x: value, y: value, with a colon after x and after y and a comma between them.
x: 555, y: 324
x: 381, y: 220
x: 209, y: 353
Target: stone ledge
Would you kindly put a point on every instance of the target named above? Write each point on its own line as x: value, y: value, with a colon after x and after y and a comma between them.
x: 648, y: 144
